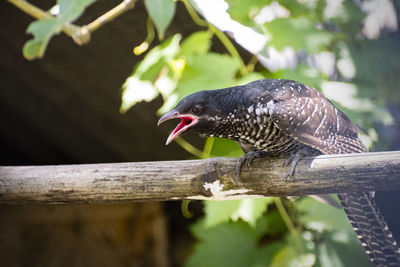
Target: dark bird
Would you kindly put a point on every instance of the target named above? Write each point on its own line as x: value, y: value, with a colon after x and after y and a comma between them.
x: 275, y: 118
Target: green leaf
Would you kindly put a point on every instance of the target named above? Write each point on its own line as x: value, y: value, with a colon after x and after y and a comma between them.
x: 219, y: 211
x: 223, y: 147
x: 70, y: 10
x: 288, y: 256
x: 251, y: 77
x: 157, y: 58
x: 161, y: 13
x: 208, y: 71
x: 299, y: 33
x: 249, y: 210
x: 336, y: 250
x: 229, y: 244
x: 197, y: 43
x: 245, y: 11
x: 140, y: 87
x: 43, y: 30
x: 323, y: 217
x: 303, y: 74
x: 271, y: 224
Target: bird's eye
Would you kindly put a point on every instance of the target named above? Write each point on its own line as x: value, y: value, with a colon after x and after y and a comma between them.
x: 196, y: 109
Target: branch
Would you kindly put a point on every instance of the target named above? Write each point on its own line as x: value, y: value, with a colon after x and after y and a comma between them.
x: 80, y: 35
x: 197, y: 179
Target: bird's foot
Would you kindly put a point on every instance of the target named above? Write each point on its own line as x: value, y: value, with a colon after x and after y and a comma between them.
x: 248, y: 158
x: 293, y: 159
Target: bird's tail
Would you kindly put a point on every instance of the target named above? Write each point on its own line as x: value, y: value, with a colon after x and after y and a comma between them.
x: 371, y: 228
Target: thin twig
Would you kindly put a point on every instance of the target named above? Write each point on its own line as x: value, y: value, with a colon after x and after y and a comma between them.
x: 110, y: 15
x: 37, y: 13
x: 80, y: 35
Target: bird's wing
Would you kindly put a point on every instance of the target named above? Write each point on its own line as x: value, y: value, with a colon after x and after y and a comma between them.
x: 315, y: 121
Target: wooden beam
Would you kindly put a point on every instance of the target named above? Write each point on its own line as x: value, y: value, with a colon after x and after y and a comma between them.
x: 196, y: 179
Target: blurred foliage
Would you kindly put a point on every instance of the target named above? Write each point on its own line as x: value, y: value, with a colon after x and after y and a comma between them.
x: 326, y: 48
x: 43, y: 30
x: 319, y: 43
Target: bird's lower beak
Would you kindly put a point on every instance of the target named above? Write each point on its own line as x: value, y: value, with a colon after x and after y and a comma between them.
x: 187, y: 120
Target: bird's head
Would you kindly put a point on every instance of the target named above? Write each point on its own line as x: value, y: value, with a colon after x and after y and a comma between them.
x: 199, y: 111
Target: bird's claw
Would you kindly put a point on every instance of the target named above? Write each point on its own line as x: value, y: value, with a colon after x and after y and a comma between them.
x: 248, y: 158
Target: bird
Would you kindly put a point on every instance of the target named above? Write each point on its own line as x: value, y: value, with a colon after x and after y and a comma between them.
x: 285, y: 118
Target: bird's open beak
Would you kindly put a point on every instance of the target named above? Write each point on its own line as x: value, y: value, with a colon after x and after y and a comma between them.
x: 187, y: 121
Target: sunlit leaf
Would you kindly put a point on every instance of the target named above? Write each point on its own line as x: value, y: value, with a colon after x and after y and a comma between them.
x: 136, y: 90
x: 219, y: 211
x: 197, y: 43
x: 157, y: 58
x: 161, y: 13
x: 244, y: 11
x: 299, y: 33
x: 287, y: 256
x: 250, y: 210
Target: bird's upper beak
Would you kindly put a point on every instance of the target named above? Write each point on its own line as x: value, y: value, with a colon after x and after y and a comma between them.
x: 187, y: 121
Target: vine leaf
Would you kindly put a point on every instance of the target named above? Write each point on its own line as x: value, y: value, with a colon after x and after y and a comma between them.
x: 43, y: 30
x: 161, y: 13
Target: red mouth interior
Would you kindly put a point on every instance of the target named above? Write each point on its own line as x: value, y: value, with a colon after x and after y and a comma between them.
x: 185, y: 121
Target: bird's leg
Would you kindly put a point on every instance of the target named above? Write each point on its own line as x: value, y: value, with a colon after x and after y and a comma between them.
x: 248, y: 157
x: 294, y: 158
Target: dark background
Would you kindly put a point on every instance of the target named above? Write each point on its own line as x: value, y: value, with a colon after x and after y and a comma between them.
x: 64, y: 109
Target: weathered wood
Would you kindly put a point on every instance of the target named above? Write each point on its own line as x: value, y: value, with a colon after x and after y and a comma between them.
x: 197, y: 179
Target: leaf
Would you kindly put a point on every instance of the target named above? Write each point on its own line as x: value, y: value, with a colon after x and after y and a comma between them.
x: 223, y: 147
x: 299, y: 33
x: 197, y: 43
x: 244, y: 11
x: 217, y: 212
x: 323, y: 217
x: 229, y: 244
x: 142, y: 86
x: 43, y: 30
x: 288, y: 256
x: 161, y: 13
x: 134, y: 91
x: 251, y: 77
x: 208, y: 71
x: 70, y: 10
x: 249, y: 210
x: 336, y: 250
x: 271, y: 224
x: 157, y: 58
x: 303, y: 74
